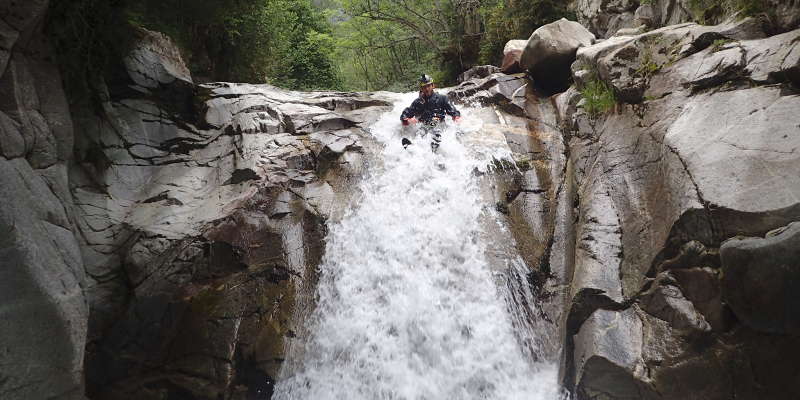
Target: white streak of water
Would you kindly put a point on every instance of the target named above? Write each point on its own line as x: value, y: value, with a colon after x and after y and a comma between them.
x: 408, y: 307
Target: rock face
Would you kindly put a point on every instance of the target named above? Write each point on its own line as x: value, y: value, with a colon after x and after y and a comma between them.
x: 167, y: 247
x: 155, y: 62
x: 42, y: 280
x: 203, y: 212
x: 551, y: 49
x: 606, y: 18
x: 700, y: 148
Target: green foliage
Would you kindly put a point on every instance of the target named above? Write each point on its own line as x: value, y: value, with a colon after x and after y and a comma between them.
x: 387, y: 44
x: 284, y: 42
x: 647, y: 64
x: 599, y: 97
x: 718, y: 44
x: 381, y: 55
x: 705, y: 11
x: 505, y: 20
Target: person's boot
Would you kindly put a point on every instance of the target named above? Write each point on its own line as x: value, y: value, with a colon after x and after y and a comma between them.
x: 436, y: 139
x: 406, y: 143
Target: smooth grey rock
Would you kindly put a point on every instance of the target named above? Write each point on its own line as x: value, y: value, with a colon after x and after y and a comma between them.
x: 608, y: 351
x: 701, y: 286
x: 508, y: 91
x: 598, y: 245
x: 775, y: 59
x: 155, y: 61
x: 733, y: 160
x: 12, y: 145
x: 760, y: 279
x: 44, y: 311
x: 512, y: 54
x: 551, y: 50
x: 666, y: 301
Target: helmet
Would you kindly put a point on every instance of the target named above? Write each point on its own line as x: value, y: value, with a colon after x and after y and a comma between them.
x: 425, y: 80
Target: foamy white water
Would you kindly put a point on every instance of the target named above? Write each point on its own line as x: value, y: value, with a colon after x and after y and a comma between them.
x: 408, y: 307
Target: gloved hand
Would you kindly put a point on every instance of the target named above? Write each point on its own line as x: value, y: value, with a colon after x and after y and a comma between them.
x: 457, y: 119
x: 410, y: 121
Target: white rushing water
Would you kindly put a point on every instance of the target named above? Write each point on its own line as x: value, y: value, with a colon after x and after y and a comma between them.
x: 408, y: 307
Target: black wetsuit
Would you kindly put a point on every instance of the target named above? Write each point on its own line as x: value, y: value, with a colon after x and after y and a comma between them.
x: 426, y: 109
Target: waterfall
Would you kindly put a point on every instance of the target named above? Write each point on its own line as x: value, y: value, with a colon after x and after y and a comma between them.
x: 408, y: 306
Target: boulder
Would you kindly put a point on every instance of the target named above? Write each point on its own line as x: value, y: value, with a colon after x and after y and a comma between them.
x: 667, y: 302
x: 551, y: 50
x: 512, y: 54
x: 155, y: 61
x: 761, y: 277
x: 608, y: 356
x: 479, y: 71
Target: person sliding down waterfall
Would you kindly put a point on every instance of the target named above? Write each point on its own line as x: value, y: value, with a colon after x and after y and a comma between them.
x: 430, y: 108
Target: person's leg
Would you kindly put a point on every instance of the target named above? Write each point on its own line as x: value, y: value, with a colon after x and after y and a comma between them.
x: 436, y: 138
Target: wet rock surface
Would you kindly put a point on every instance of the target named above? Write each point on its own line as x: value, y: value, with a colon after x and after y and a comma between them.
x: 202, y: 223
x: 760, y: 277
x: 166, y: 248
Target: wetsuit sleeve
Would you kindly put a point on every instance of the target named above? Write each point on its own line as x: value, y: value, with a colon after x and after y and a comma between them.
x: 411, y: 111
x: 449, y: 109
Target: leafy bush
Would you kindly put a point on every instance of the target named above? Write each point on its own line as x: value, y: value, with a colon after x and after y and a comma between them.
x: 718, y: 44
x: 599, y: 97
x: 647, y: 64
